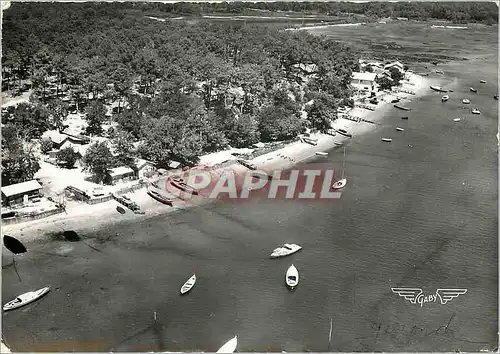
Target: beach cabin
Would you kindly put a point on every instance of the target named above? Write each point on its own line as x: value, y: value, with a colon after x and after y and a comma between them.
x: 398, y: 65
x: 145, y: 169
x: 21, y: 192
x: 363, y: 81
x: 121, y: 174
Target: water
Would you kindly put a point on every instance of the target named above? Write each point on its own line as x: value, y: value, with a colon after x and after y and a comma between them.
x: 422, y: 217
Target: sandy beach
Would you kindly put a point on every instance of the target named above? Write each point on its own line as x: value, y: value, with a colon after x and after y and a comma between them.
x: 80, y: 217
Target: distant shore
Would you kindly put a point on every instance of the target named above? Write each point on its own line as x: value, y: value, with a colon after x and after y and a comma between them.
x: 82, y: 217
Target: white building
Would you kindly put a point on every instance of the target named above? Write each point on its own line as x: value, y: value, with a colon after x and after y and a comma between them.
x: 398, y: 65
x: 363, y: 81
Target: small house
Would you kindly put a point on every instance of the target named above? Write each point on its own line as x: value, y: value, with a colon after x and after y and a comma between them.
x: 21, y: 192
x: 144, y: 168
x: 398, y: 65
x: 121, y: 174
x: 363, y: 81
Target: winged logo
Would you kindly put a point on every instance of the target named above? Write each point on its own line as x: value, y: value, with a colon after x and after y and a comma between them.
x: 410, y: 294
x: 446, y: 295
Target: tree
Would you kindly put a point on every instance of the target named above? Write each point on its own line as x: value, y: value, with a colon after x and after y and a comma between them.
x: 396, y: 75
x: 385, y: 82
x: 67, y: 157
x: 98, y: 160
x: 277, y: 124
x: 321, y: 112
x: 58, y: 111
x: 46, y: 145
x: 123, y: 146
x: 95, y: 116
x: 19, y: 164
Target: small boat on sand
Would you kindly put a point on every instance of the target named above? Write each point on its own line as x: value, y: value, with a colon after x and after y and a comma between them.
x: 162, y: 199
x: 387, y: 140
x: 456, y: 119
x: 438, y: 88
x: 482, y: 81
x: 321, y: 153
x: 473, y: 89
x: 25, y: 299
x: 230, y: 346
x: 400, y: 129
x: 188, y: 285
x: 404, y: 117
x: 396, y: 100
x: 476, y: 111
x: 465, y: 101
x: 344, y: 133
x: 338, y: 144
x: 292, y: 277
x: 120, y: 209
x: 445, y: 98
x: 402, y: 107
x: 285, y: 250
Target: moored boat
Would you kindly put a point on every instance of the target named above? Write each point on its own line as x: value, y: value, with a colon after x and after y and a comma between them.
x: 25, y: 299
x: 456, y: 119
x: 495, y: 97
x: 188, y: 285
x: 405, y: 117
x: 338, y: 144
x: 387, y: 140
x: 285, y: 250
x: 465, y: 101
x: 341, y: 183
x: 321, y: 153
x: 445, y: 98
x: 438, y: 88
x: 396, y: 100
x: 473, y: 89
x: 482, y: 81
x: 292, y: 277
x: 476, y: 111
x: 400, y: 129
x: 230, y: 346
x: 120, y: 209
x: 402, y: 107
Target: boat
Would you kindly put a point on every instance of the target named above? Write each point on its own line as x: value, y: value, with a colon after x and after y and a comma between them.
x: 395, y: 100
x: 495, y: 97
x: 341, y: 183
x: 476, y: 111
x: 25, y: 299
x: 330, y: 334
x: 320, y: 153
x: 482, y: 81
x: 188, y: 285
x: 120, y: 209
x: 338, y: 144
x: 285, y: 250
x: 473, y: 89
x: 445, y: 98
x: 400, y: 129
x: 404, y: 117
x: 456, y: 119
x: 402, y: 107
x: 439, y: 72
x: 344, y: 133
x: 230, y: 346
x: 387, y: 140
x: 292, y: 277
x: 438, y: 88
x: 465, y: 101
x: 157, y: 196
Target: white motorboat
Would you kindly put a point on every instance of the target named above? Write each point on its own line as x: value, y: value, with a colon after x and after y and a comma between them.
x: 400, y: 129
x: 445, y: 98
x: 285, y: 250
x: 292, y: 277
x: 476, y: 111
x: 482, y: 81
x: 188, y: 285
x: 387, y: 140
x: 25, y: 299
x: 438, y: 88
x: 321, y: 153
x: 456, y: 119
x: 230, y: 346
x: 465, y: 101
x: 341, y: 183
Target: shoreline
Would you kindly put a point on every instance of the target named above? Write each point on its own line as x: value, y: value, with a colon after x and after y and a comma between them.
x: 83, y: 217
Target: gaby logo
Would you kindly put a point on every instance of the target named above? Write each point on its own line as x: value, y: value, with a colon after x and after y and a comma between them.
x: 415, y: 296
